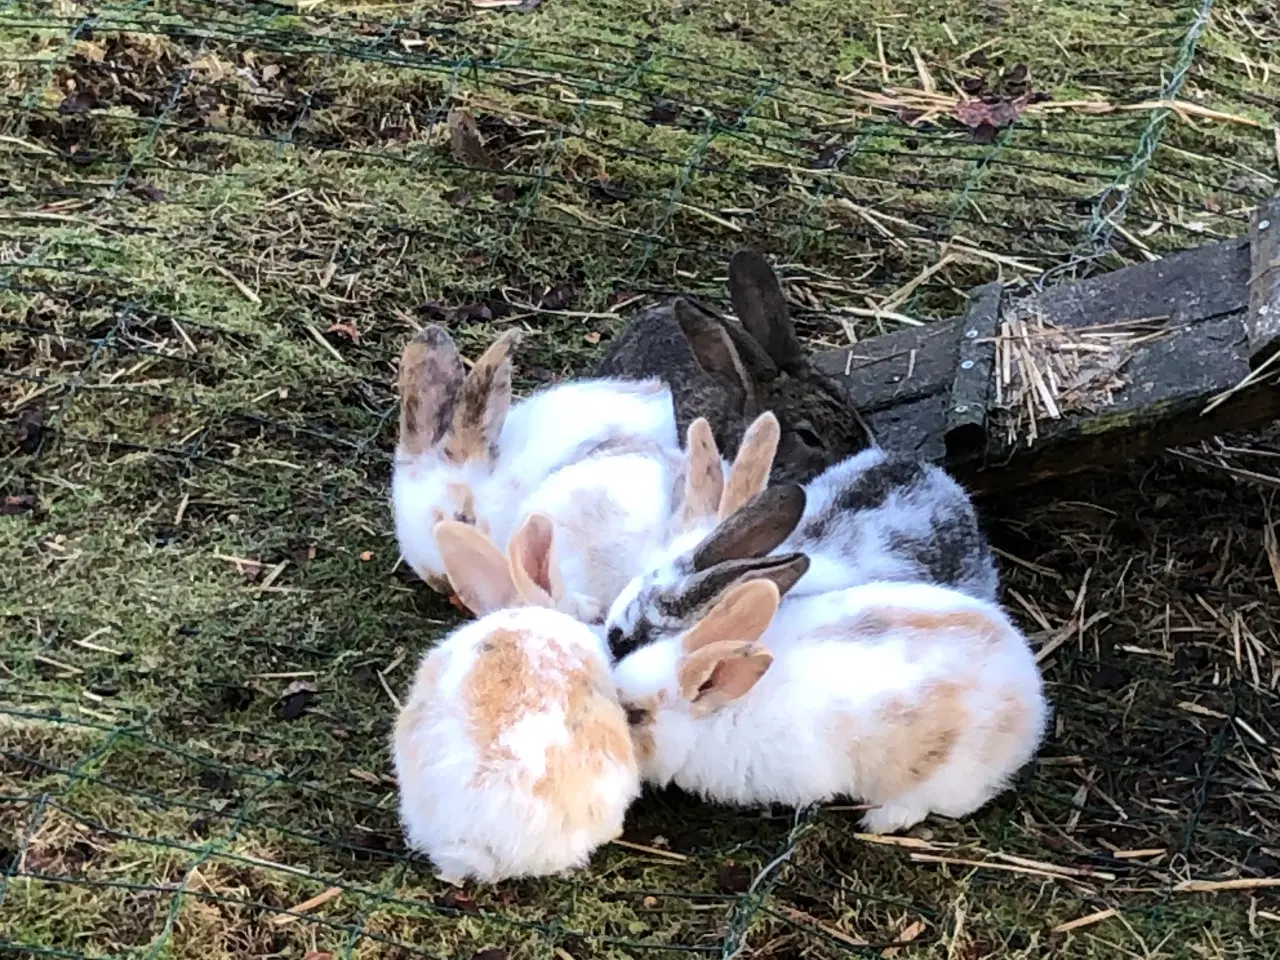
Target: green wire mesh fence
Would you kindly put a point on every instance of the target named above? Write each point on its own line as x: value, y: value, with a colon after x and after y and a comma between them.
x: 218, y: 222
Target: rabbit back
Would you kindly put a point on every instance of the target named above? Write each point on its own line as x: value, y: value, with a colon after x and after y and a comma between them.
x: 882, y: 516
x: 511, y: 750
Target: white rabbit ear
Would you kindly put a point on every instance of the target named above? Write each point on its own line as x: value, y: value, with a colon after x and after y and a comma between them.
x: 753, y: 464
x: 742, y: 614
x: 533, y: 562
x: 721, y: 672
x: 478, y: 572
x: 431, y: 375
x: 482, y: 404
x: 704, y: 475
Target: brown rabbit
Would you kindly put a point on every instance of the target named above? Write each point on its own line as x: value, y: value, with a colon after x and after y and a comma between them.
x: 730, y: 371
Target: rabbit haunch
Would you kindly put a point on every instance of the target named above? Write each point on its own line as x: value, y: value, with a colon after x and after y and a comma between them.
x: 912, y: 697
x: 602, y: 451
x: 538, y: 749
x: 511, y: 752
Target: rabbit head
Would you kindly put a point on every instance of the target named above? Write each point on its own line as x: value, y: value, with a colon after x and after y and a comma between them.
x: 450, y: 423
x: 726, y: 371
x: 667, y: 687
x: 725, y: 527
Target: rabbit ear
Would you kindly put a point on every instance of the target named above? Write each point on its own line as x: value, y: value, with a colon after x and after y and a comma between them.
x: 759, y: 303
x: 720, y: 673
x: 478, y: 572
x: 533, y: 562
x: 702, y: 588
x: 712, y: 345
x: 483, y: 402
x: 742, y: 615
x: 755, y: 528
x: 431, y: 374
x: 704, y: 475
x: 753, y: 464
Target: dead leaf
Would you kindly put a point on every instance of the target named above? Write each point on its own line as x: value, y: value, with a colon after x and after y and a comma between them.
x: 592, y: 338
x: 366, y: 556
x: 93, y: 52
x: 347, y: 329
x: 16, y: 503
x: 81, y: 102
x: 295, y: 699
x: 998, y: 113
x: 465, y: 142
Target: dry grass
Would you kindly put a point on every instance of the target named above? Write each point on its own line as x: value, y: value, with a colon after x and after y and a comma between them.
x: 213, y: 243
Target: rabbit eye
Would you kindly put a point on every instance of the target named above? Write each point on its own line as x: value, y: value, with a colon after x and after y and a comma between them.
x: 809, y: 438
x: 615, y: 636
x: 638, y: 716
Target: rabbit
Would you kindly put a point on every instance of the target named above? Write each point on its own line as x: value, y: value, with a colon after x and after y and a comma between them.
x: 512, y: 754
x: 873, y: 516
x: 908, y: 696
x: 728, y: 371
x: 466, y: 453
x: 728, y: 507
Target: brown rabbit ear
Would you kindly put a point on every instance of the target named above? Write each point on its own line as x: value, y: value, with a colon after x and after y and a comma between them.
x: 712, y: 345
x: 702, y: 588
x: 753, y: 464
x: 533, y: 562
x: 742, y: 615
x: 483, y: 402
x: 704, y: 475
x: 431, y: 374
x: 755, y: 528
x: 478, y: 572
x: 759, y: 303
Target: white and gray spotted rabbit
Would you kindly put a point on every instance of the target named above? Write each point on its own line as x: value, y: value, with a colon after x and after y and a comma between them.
x: 874, y: 516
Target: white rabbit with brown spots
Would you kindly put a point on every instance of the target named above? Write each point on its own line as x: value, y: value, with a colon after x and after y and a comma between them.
x: 916, y: 698
x: 512, y: 753
x: 600, y: 457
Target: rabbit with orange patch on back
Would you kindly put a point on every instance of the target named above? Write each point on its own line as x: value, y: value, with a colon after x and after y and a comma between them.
x: 600, y: 457
x: 729, y: 372
x: 511, y: 752
x: 912, y: 697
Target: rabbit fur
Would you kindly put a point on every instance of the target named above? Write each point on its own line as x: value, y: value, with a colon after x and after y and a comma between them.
x: 873, y: 516
x: 601, y: 457
x: 912, y: 697
x: 511, y: 751
x: 728, y: 371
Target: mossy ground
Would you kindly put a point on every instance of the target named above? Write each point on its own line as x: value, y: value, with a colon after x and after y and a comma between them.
x: 221, y: 220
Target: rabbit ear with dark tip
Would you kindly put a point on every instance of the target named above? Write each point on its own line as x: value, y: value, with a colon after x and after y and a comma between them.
x: 759, y: 303
x: 431, y: 375
x: 755, y: 528
x: 482, y: 403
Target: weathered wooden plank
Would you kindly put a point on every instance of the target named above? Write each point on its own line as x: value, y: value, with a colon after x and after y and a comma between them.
x: 1263, y: 320
x: 966, y: 428
x: 903, y: 382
